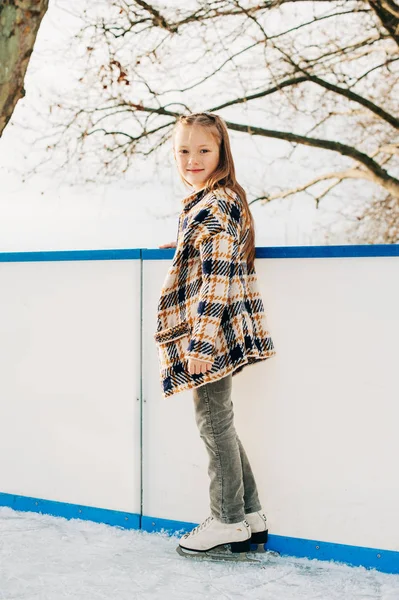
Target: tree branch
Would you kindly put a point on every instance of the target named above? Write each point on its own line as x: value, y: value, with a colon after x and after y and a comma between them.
x: 388, y: 13
x: 325, y: 84
x: 380, y: 175
x: 339, y: 175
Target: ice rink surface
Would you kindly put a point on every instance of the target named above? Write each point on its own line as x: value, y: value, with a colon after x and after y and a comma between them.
x: 51, y: 558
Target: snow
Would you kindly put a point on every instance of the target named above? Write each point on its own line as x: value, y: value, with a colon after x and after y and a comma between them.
x: 50, y: 558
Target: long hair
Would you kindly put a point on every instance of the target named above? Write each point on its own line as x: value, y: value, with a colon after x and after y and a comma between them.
x: 224, y: 174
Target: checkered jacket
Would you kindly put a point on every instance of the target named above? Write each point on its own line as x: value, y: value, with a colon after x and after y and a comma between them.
x: 210, y: 307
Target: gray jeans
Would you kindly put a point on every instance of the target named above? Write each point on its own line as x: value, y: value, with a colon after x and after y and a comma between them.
x: 232, y: 487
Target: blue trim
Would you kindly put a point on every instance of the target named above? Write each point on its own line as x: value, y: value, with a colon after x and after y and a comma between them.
x: 297, y: 251
x: 157, y: 253
x: 328, y: 251
x: 153, y: 524
x: 71, y: 511
x: 60, y: 255
x: 168, y: 253
x: 386, y: 561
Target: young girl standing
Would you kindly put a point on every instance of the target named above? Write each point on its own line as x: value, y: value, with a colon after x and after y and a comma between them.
x: 212, y: 323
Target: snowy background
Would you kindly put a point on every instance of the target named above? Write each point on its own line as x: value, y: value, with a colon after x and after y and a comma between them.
x: 54, y: 209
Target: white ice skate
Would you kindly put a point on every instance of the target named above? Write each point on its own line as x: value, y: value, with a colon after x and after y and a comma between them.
x: 216, y: 540
x: 212, y: 534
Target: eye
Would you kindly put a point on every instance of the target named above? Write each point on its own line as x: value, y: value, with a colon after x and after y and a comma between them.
x: 204, y: 150
x: 182, y: 151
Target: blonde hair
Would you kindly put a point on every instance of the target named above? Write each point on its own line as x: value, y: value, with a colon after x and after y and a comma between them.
x: 224, y: 175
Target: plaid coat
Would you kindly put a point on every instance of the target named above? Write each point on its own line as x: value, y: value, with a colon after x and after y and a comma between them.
x: 210, y: 307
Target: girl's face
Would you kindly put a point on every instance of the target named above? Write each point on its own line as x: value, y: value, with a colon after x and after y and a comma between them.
x: 197, y: 154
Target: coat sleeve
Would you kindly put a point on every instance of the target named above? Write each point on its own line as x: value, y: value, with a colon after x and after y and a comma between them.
x: 217, y: 242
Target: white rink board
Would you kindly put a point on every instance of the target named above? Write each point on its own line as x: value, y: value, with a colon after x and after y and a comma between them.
x: 318, y: 420
x: 69, y: 387
x: 174, y: 472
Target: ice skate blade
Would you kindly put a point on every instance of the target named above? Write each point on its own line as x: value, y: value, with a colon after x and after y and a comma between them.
x: 220, y: 553
x: 260, y: 549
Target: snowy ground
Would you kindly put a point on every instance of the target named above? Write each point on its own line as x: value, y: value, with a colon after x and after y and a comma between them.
x: 49, y: 558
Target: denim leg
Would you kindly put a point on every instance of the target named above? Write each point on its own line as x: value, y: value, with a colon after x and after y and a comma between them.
x: 227, y: 459
x: 251, y: 498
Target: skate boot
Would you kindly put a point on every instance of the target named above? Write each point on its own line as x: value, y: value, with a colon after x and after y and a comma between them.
x: 212, y: 533
x: 258, y: 524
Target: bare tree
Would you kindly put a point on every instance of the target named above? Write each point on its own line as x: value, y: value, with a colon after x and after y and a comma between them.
x: 19, y: 23
x: 375, y: 221
x: 320, y: 74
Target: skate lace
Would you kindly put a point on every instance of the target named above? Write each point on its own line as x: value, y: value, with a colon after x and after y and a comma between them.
x: 200, y: 527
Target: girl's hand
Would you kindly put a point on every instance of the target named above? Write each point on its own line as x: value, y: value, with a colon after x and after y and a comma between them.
x: 169, y: 245
x: 198, y: 366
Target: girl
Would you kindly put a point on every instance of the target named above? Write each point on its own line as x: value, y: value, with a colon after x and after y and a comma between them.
x: 211, y: 324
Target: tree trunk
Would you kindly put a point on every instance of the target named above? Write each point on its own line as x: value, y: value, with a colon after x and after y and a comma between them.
x: 19, y: 23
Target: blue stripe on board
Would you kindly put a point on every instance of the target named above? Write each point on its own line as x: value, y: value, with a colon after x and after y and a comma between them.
x: 297, y: 251
x: 61, y: 255
x: 71, y: 511
x: 152, y: 524
x: 328, y: 251
x: 157, y: 253
x: 168, y: 253
x: 386, y: 561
